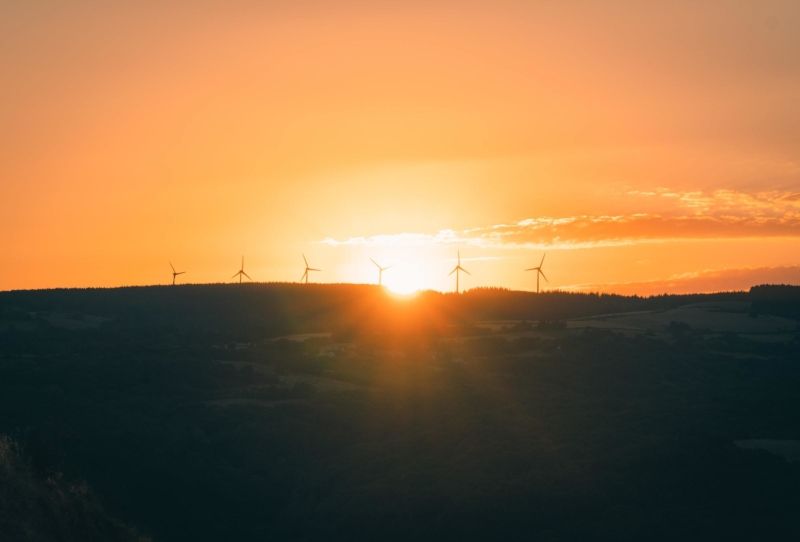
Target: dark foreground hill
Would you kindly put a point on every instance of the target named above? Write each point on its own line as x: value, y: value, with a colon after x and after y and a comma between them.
x: 280, y: 412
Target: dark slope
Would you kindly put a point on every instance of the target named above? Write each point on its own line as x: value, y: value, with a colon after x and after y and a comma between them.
x: 191, y: 422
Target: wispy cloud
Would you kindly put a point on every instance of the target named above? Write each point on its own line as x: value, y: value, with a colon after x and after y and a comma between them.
x: 686, y: 215
x: 710, y: 280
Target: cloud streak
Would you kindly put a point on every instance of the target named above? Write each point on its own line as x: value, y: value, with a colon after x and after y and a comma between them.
x: 722, y: 214
x: 713, y: 280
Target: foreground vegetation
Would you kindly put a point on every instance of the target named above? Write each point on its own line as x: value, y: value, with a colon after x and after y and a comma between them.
x: 38, y: 505
x: 281, y: 412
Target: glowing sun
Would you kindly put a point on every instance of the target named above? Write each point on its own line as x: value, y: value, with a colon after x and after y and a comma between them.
x: 404, y: 279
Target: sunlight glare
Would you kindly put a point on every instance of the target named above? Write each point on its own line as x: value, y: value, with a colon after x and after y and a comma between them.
x: 404, y: 280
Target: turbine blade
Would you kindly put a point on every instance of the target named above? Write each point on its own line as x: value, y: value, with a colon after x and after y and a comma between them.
x: 532, y: 269
x: 543, y: 255
x: 543, y: 275
x: 453, y: 271
x: 236, y: 274
x: 172, y: 266
x: 465, y: 271
x: 304, y: 276
x: 376, y: 263
x: 246, y: 275
x: 313, y: 269
x: 180, y: 272
x: 304, y: 259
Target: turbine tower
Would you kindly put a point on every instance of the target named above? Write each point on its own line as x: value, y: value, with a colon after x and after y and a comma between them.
x: 380, y: 271
x: 457, y: 269
x: 175, y: 273
x: 304, y: 278
x: 539, y: 272
x: 240, y: 273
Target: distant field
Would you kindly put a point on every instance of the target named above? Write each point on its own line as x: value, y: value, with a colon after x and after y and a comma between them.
x: 707, y: 317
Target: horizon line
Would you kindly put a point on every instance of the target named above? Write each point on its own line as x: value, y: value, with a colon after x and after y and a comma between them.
x: 388, y: 291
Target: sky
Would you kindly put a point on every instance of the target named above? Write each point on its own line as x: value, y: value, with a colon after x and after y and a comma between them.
x: 644, y: 147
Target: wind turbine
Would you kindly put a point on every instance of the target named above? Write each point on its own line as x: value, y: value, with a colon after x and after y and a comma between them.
x: 304, y: 278
x: 457, y: 269
x: 539, y: 272
x: 240, y: 273
x: 380, y: 271
x: 175, y: 273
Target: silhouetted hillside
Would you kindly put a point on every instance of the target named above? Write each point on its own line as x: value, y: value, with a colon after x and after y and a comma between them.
x: 340, y: 412
x: 269, y: 310
x: 780, y: 299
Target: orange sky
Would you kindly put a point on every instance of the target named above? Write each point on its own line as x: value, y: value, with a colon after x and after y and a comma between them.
x: 639, y: 146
